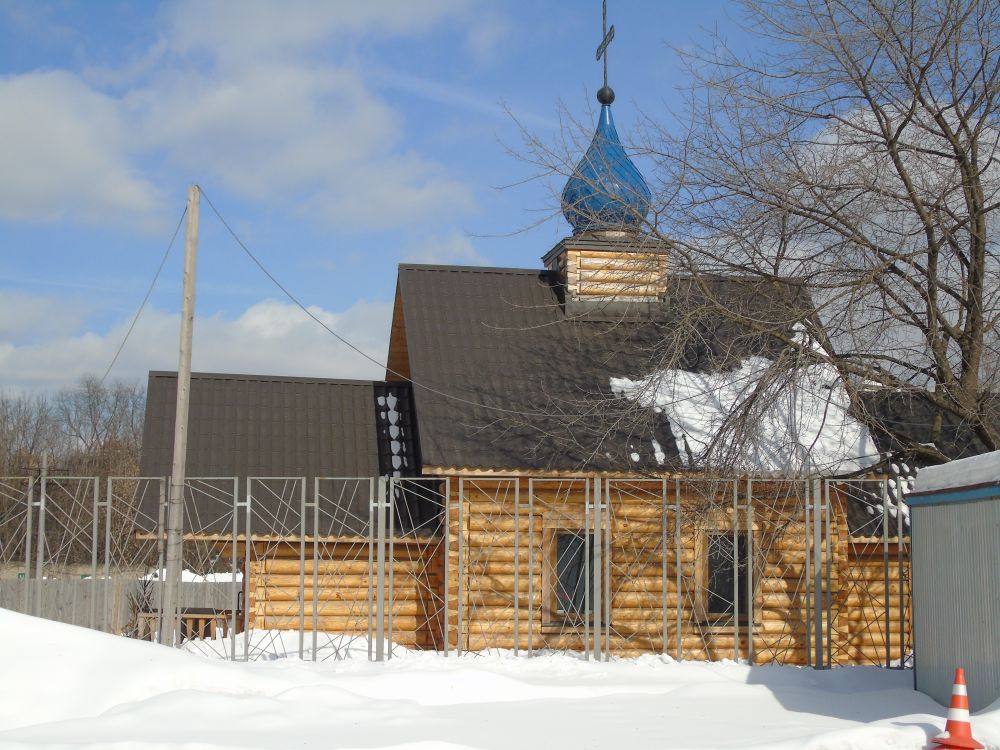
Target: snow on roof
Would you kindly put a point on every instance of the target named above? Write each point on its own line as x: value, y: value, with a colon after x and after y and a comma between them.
x: 805, y: 427
x: 983, y: 469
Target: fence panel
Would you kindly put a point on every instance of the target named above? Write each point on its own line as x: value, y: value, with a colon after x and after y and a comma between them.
x: 216, y: 529
x: 414, y: 563
x: 767, y: 570
x: 871, y: 611
x: 339, y: 566
x: 561, y: 573
x: 486, y: 577
x: 641, y: 570
x: 17, y: 519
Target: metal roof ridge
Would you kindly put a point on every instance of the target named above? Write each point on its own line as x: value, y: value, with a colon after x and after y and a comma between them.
x: 471, y: 269
x: 266, y: 378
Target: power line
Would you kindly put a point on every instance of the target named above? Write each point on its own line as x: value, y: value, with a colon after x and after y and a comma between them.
x: 149, y: 292
x: 350, y: 345
x: 415, y: 383
x: 401, y: 376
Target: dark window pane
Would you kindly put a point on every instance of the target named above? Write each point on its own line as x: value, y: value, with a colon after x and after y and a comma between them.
x: 722, y: 574
x: 574, y: 552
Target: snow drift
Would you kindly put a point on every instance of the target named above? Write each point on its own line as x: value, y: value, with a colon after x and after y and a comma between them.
x: 72, y: 688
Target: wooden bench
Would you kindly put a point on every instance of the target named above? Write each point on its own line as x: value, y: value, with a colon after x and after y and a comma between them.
x: 196, y: 622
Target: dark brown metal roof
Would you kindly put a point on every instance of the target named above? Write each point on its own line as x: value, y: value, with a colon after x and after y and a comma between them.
x: 266, y: 431
x: 506, y: 377
x: 254, y: 425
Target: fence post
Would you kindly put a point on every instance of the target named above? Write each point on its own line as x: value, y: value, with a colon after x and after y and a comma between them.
x: 315, y: 563
x: 517, y: 564
x: 678, y: 562
x: 531, y: 566
x: 95, y: 505
x: 899, y: 570
x: 829, y: 579
x: 608, y: 561
x: 234, y: 593
x: 40, y: 552
x: 818, y: 575
x: 587, y: 562
x: 372, y: 489
x: 750, y: 570
x: 736, y: 571
x: 663, y: 561
x: 390, y: 501
x: 302, y: 570
x: 28, y: 539
x: 380, y: 572
x: 161, y: 572
x: 108, y: 517
x: 806, y: 502
x: 887, y: 632
x: 596, y: 576
x: 461, y: 564
x: 247, y: 548
x: 446, y: 531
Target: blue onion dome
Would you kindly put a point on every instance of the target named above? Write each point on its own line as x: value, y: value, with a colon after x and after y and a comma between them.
x: 605, y: 191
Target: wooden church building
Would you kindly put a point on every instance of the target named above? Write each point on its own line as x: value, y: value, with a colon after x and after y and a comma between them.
x: 495, y: 490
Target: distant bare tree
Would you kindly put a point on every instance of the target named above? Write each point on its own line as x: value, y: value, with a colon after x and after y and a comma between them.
x: 102, y: 424
x: 89, y: 428
x: 28, y: 427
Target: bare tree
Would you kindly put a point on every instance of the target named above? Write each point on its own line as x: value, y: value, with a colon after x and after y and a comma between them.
x: 102, y: 424
x: 853, y: 158
x: 857, y: 155
x: 89, y: 428
x: 28, y: 427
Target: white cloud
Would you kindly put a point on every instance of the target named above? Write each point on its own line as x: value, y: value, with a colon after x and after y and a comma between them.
x: 454, y: 247
x: 269, y: 338
x: 257, y: 98
x: 25, y: 317
x: 485, y: 38
x: 65, y: 150
x: 252, y: 29
x: 296, y: 133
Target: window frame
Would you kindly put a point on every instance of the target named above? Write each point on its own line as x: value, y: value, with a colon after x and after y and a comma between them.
x: 552, y: 619
x: 747, y: 615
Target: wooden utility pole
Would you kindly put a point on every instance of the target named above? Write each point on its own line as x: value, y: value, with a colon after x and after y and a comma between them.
x: 169, y: 622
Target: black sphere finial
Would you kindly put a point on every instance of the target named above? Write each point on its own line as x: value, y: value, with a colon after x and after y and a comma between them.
x: 605, y: 95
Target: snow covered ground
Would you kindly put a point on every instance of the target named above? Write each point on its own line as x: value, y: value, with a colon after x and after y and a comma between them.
x: 66, y: 687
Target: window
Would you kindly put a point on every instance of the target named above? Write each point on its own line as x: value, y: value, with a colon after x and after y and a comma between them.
x: 574, y: 554
x: 570, y: 556
x: 722, y: 576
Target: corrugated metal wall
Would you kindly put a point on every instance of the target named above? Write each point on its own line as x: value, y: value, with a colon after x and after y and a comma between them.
x: 956, y: 598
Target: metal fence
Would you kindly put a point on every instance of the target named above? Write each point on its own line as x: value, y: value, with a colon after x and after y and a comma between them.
x: 766, y: 570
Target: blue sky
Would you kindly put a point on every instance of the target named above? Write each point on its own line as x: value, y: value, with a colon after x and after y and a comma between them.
x: 338, y: 138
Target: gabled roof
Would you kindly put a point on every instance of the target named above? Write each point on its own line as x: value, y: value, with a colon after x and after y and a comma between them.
x: 254, y: 425
x: 258, y: 426
x: 506, y: 378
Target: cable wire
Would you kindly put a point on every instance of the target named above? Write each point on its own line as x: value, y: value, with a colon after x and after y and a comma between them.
x: 350, y: 345
x: 149, y: 292
x: 415, y: 383
x: 401, y: 376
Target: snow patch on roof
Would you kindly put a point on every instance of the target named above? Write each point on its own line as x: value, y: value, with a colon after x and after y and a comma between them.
x: 981, y: 469
x: 802, y: 427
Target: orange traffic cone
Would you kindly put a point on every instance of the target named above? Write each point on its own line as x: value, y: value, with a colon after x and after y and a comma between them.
x: 958, y: 730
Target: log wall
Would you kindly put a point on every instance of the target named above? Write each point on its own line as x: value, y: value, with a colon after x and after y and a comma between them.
x: 657, y: 587
x: 500, y: 576
x: 337, y: 591
x: 597, y: 274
